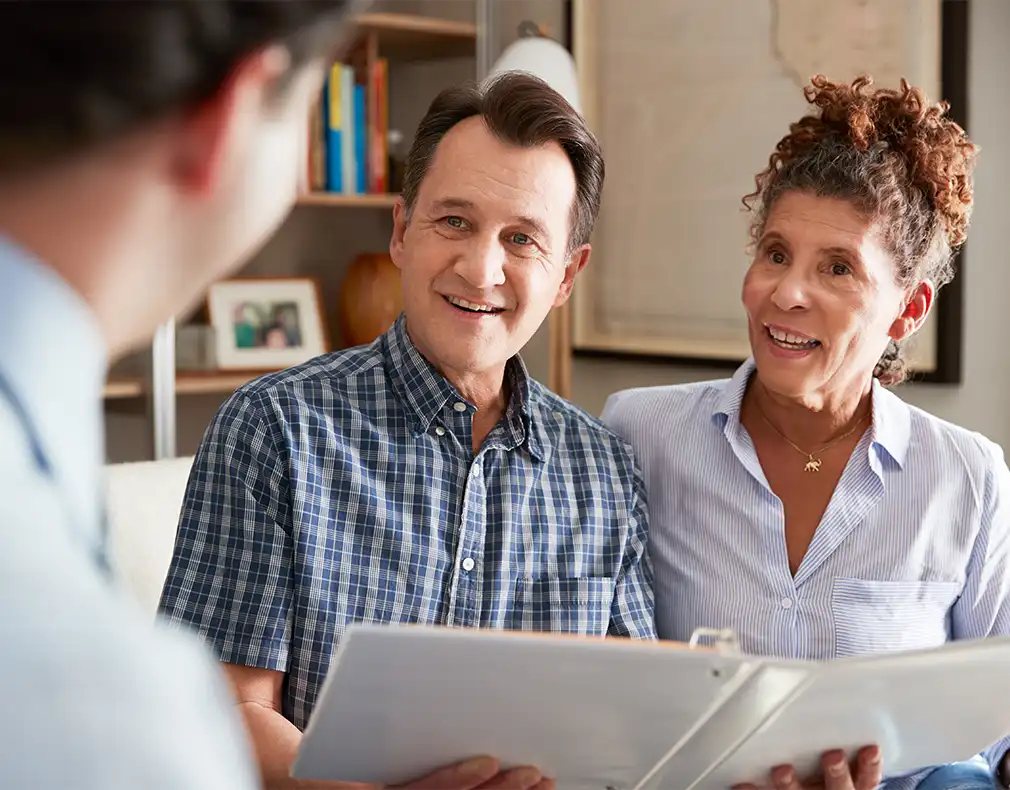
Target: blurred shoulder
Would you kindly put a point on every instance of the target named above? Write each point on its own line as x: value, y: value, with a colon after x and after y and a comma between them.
x: 105, y: 698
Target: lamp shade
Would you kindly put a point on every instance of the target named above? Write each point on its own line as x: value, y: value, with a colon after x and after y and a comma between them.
x: 544, y: 58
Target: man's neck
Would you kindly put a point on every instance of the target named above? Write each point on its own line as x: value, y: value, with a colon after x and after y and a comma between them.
x: 488, y: 393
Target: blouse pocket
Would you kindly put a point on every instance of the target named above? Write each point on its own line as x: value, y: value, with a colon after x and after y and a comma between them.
x: 577, y: 605
x: 881, y: 616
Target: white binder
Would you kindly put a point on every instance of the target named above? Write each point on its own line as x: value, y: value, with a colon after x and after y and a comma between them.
x: 598, y: 714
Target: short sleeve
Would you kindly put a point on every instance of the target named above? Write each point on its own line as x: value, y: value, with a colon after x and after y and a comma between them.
x: 633, y: 611
x: 230, y: 577
x: 983, y: 608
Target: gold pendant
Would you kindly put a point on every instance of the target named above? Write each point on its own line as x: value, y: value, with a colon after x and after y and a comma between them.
x: 812, y: 465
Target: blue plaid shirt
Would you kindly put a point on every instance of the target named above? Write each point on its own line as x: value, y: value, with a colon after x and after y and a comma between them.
x: 347, y: 490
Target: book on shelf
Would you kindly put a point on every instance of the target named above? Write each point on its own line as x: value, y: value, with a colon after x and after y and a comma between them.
x: 348, y: 151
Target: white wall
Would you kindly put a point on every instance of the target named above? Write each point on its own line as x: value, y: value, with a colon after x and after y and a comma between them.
x: 982, y: 401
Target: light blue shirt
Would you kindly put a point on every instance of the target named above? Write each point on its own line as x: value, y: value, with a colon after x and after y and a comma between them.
x: 912, y: 551
x: 95, y: 697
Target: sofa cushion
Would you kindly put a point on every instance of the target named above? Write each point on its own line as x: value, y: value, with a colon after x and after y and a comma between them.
x: 144, y: 500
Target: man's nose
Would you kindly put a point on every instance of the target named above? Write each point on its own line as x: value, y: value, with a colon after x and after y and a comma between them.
x: 483, y: 264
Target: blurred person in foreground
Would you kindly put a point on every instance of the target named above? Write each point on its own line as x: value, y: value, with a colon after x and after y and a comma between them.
x: 146, y: 148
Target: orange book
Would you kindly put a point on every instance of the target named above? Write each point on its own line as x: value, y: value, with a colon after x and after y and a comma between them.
x: 378, y: 127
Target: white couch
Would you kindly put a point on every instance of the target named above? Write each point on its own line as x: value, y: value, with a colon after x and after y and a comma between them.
x: 144, y: 500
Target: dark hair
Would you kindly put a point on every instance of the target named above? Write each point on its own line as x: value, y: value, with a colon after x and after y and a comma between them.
x: 524, y: 111
x: 80, y: 72
x: 896, y: 158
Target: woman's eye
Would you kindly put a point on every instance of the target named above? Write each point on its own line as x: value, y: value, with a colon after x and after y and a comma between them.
x: 777, y: 256
x: 840, y: 269
x: 521, y: 239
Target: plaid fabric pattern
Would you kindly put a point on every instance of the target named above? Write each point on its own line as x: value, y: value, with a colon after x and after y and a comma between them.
x: 347, y: 489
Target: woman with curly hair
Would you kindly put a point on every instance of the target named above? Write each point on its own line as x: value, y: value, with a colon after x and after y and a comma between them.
x: 801, y: 503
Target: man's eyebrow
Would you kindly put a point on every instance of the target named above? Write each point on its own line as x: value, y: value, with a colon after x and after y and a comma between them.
x: 450, y: 203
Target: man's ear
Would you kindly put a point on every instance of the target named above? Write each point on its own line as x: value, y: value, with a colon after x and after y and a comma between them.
x: 399, y: 230
x: 916, y: 310
x: 225, y: 119
x: 576, y: 263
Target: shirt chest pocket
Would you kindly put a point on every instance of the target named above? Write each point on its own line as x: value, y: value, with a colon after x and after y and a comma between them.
x: 576, y: 605
x: 879, y: 616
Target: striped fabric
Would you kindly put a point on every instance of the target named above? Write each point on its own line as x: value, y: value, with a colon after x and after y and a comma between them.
x: 913, y: 550
x: 347, y: 490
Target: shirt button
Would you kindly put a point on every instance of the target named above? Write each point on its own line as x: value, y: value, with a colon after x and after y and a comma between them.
x: 439, y: 430
x: 475, y: 472
x: 459, y: 406
x: 787, y: 603
x: 468, y: 564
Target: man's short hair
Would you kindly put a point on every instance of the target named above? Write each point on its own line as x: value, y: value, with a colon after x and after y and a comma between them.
x: 80, y: 72
x: 524, y: 111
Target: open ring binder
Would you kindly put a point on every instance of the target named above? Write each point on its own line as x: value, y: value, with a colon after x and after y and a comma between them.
x: 617, y: 714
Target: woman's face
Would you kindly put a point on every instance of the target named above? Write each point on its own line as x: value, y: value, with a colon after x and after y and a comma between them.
x: 822, y: 299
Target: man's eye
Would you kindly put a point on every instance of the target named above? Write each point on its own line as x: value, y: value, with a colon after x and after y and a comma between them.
x: 455, y: 222
x: 521, y: 239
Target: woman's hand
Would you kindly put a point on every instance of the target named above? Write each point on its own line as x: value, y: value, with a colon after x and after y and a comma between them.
x: 865, y: 773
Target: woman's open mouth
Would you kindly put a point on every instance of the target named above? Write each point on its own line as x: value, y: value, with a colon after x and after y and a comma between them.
x: 790, y: 340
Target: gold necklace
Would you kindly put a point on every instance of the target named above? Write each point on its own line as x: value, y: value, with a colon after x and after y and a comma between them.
x: 813, y: 463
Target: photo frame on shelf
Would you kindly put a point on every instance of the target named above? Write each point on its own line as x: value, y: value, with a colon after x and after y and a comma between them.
x: 670, y: 247
x: 267, y: 323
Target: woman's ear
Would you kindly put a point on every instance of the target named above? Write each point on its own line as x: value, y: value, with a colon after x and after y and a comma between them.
x: 916, y: 310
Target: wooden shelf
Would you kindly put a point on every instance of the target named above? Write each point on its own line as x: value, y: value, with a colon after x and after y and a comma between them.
x: 186, y: 383
x: 348, y: 201
x: 412, y: 37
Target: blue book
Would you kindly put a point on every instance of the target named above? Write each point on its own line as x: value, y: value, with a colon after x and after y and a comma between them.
x: 333, y: 112
x: 360, y: 139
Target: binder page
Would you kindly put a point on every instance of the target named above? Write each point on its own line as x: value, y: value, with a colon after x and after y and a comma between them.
x: 401, y: 701
x: 922, y: 708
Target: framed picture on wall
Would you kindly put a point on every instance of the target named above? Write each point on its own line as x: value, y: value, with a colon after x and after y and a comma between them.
x: 267, y: 323
x: 689, y: 100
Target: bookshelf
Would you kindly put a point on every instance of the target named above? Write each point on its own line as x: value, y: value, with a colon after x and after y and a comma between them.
x: 401, y: 39
x: 412, y: 37
x: 337, y: 200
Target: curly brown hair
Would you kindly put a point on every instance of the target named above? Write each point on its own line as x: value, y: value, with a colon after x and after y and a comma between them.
x: 898, y: 159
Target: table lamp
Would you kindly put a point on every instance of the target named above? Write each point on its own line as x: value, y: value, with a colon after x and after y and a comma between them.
x: 536, y: 53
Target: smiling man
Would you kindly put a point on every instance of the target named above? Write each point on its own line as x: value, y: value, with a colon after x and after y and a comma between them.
x: 425, y: 478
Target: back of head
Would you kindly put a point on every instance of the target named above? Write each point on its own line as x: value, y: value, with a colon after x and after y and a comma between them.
x: 82, y: 72
x: 897, y: 158
x: 521, y: 110
x: 178, y: 123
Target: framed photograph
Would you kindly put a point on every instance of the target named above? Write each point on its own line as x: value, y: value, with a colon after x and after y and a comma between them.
x: 266, y: 323
x: 669, y: 250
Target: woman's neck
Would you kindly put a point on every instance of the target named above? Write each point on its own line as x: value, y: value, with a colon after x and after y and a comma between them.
x: 806, y: 426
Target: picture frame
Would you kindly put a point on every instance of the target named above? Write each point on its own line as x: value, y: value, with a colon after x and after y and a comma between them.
x: 702, y: 324
x: 267, y: 323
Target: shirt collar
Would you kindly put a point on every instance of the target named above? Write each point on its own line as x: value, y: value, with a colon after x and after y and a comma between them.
x: 890, y: 432
x: 53, y: 357
x: 425, y: 392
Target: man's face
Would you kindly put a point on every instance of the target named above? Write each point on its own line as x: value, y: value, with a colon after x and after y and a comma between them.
x: 483, y: 256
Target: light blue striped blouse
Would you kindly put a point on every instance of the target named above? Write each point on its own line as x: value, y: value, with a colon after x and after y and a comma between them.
x: 912, y: 551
